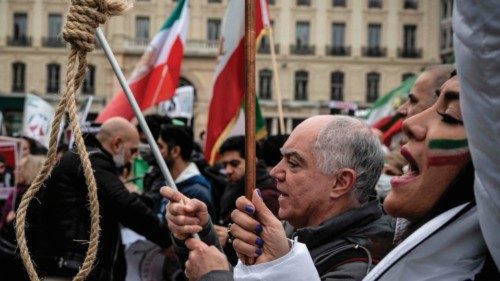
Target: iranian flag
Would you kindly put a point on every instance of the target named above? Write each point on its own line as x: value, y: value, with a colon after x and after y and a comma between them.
x: 156, y: 76
x: 226, y: 115
x: 385, y: 106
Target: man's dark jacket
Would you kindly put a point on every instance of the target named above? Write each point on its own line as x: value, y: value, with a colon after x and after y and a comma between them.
x: 337, y: 246
x: 60, y: 219
x: 343, y: 246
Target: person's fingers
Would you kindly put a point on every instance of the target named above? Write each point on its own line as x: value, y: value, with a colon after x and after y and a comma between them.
x: 183, y: 229
x: 262, y: 212
x: 177, y: 208
x: 193, y: 244
x: 244, y: 205
x: 245, y: 249
x: 182, y: 220
x: 245, y: 221
x: 246, y: 236
x: 171, y: 195
x: 196, y: 206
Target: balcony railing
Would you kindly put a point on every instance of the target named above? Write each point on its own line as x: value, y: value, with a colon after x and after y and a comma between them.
x: 202, y: 47
x: 53, y: 42
x: 338, y: 51
x: 302, y: 49
x: 409, y: 52
x: 22, y: 41
x: 266, y: 49
x: 374, y: 51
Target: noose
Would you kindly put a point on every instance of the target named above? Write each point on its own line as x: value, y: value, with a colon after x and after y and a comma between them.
x: 83, y: 18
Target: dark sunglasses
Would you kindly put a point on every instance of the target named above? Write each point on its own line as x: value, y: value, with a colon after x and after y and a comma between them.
x: 234, y: 163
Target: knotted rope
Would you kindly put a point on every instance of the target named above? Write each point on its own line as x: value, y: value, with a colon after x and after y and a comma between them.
x: 83, y: 18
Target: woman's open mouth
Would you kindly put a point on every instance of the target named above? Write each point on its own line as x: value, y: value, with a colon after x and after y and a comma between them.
x: 410, y: 175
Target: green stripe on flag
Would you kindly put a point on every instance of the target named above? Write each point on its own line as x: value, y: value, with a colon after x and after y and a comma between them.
x: 260, y: 123
x: 448, y: 144
x: 174, y: 15
x: 403, y: 89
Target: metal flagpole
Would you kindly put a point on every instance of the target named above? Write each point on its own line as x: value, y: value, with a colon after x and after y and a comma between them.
x: 137, y: 111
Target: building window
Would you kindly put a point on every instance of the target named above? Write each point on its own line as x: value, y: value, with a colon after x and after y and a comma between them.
x: 272, y: 2
x: 20, y: 26
x: 301, y: 78
x: 55, y: 22
x: 303, y: 2
x: 372, y: 83
x: 374, y: 35
x: 302, y: 33
x: 53, y: 72
x: 446, y: 8
x: 213, y: 30
x: 214, y: 1
x: 375, y: 4
x: 337, y: 86
x: 411, y: 4
x: 265, y: 84
x: 302, y: 46
x: 142, y: 29
x: 54, y: 28
x: 410, y: 34
x: 406, y: 76
x: 338, y: 3
x: 88, y: 86
x: 264, y: 44
x: 19, y: 31
x: 338, y: 34
x: 18, y: 76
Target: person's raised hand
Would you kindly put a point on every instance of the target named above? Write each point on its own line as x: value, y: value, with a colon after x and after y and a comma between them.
x: 184, y: 216
x: 261, y: 236
x: 203, y: 259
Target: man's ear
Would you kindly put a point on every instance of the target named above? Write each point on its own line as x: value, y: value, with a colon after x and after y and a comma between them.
x: 117, y: 143
x: 345, y: 179
x: 176, y: 151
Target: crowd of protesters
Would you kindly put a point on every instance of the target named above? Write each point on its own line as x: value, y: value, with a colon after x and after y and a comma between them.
x: 334, y: 200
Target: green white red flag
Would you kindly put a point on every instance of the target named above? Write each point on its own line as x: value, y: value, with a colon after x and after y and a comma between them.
x: 156, y: 76
x: 226, y: 114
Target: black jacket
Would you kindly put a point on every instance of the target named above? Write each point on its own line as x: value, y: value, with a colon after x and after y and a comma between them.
x: 60, y: 219
x: 343, y: 246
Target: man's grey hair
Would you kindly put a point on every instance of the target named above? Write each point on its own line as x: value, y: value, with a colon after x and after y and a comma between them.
x: 346, y: 142
x: 442, y: 73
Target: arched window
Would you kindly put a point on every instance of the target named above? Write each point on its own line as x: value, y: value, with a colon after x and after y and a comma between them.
x: 301, y: 78
x: 265, y: 84
x: 372, y: 86
x: 406, y: 76
x: 18, y: 76
x: 337, y: 86
x: 53, y: 75
x: 88, y: 86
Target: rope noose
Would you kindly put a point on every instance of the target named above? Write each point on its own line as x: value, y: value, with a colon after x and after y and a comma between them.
x: 83, y: 18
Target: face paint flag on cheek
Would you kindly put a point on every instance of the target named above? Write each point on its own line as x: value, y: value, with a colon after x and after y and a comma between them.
x: 445, y: 152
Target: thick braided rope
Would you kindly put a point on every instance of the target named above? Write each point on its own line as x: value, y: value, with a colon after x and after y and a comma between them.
x: 83, y: 18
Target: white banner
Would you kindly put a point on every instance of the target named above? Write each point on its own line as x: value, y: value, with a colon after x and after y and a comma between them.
x: 180, y: 105
x: 37, y: 119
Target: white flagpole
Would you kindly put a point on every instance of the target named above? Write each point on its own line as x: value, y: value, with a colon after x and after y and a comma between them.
x: 269, y: 32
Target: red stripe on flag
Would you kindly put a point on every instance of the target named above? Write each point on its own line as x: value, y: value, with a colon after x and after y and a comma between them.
x: 145, y: 88
x: 167, y: 88
x: 226, y: 98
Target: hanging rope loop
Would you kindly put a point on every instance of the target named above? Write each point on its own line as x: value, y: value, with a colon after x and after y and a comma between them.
x: 84, y: 17
x: 81, y: 22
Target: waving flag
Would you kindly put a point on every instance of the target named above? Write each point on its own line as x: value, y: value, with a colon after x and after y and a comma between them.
x: 156, y: 76
x: 226, y: 115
